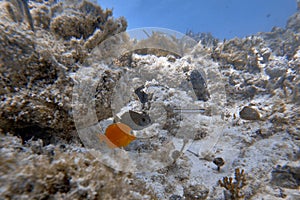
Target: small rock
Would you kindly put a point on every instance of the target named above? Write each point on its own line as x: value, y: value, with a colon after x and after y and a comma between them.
x: 175, y: 197
x: 296, y: 92
x: 286, y: 176
x: 249, y: 113
x: 196, y: 192
x: 143, y: 97
x: 199, y: 85
x: 275, y: 72
x: 171, y: 58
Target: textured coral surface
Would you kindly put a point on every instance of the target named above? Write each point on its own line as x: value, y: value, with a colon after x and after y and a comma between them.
x: 44, y: 43
x: 36, y: 88
x: 36, y: 171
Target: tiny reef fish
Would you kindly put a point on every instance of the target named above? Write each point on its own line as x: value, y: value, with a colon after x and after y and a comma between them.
x: 135, y: 120
x: 117, y: 135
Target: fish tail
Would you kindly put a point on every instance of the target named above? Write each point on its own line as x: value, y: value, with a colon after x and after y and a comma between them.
x: 103, y: 138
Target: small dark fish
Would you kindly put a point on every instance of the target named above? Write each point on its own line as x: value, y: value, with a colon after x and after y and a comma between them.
x: 199, y: 85
x: 137, y: 121
x: 141, y: 119
x: 141, y: 94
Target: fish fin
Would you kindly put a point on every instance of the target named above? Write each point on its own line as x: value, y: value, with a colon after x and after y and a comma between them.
x: 117, y: 119
x: 103, y: 138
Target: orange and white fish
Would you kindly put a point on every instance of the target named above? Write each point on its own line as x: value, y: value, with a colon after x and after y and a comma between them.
x: 117, y: 135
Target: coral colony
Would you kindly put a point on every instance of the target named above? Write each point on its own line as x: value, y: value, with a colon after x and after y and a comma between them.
x: 198, y: 113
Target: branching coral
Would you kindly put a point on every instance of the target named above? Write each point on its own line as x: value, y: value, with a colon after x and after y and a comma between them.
x: 235, y: 186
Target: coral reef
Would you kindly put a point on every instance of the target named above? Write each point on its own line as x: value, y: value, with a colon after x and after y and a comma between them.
x: 252, y: 124
x: 35, y: 171
x: 18, y: 10
x: 206, y: 39
x: 36, y: 86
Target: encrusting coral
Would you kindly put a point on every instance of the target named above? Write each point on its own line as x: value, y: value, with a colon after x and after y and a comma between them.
x: 35, y: 171
x: 41, y: 52
x: 35, y: 67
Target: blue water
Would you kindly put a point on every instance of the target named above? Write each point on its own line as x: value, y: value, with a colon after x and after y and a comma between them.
x: 223, y: 18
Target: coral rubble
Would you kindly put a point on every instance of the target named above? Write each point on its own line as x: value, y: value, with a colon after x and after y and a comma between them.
x: 35, y: 66
x: 35, y: 171
x: 248, y: 89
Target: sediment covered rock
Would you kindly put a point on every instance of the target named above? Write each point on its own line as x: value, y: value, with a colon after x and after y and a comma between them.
x: 35, y: 65
x: 44, y: 43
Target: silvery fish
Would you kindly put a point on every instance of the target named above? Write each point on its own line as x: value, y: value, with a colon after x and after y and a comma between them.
x: 136, y: 120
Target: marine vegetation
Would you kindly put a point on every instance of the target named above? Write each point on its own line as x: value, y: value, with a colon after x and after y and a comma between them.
x: 234, y: 187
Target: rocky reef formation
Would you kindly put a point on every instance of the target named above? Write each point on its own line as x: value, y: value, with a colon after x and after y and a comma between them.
x: 44, y: 43
x: 35, y: 171
x: 36, y: 88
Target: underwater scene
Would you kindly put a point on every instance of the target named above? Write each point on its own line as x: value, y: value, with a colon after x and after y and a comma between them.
x: 145, y: 100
